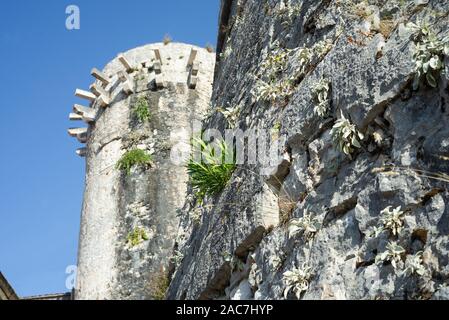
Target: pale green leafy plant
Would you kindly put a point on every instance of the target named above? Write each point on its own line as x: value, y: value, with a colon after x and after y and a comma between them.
x: 320, y: 91
x: 307, y: 225
x: 429, y: 54
x: 297, y: 280
x: 274, y: 262
x: 393, y: 253
x: 414, y: 265
x: 231, y: 115
x: 375, y: 231
x: 274, y: 91
x: 377, y: 138
x: 270, y: 86
x: 346, y: 136
x: 322, y: 47
x: 392, y: 220
x: 275, y: 62
x: 304, y: 57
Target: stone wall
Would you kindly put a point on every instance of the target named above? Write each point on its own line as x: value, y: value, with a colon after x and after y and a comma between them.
x: 365, y: 52
x: 129, y: 220
x: 6, y: 291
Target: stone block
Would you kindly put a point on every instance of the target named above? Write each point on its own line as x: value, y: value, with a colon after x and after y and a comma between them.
x: 127, y: 87
x: 85, y: 95
x: 87, y: 114
x: 192, y: 57
x: 103, y: 96
x: 74, y: 132
x: 192, y: 82
x: 97, y: 74
x: 160, y: 83
x: 157, y: 66
x: 82, y: 137
x: 195, y: 68
x: 82, y: 152
x: 125, y: 62
x: 157, y: 54
x: 123, y: 76
x: 75, y: 117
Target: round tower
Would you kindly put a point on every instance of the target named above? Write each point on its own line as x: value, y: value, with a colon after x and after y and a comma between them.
x: 139, y: 106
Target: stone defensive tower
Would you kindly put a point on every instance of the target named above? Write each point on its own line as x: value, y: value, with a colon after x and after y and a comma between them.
x: 129, y: 217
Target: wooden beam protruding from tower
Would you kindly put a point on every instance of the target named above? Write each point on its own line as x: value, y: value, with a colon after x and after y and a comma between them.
x: 79, y: 133
x: 121, y: 57
x: 157, y: 54
x: 75, y: 117
x: 192, y: 57
x: 74, y: 132
x: 82, y: 152
x: 85, y: 95
x: 103, y: 97
x: 82, y: 137
x: 157, y: 65
x: 87, y: 114
x: 97, y: 74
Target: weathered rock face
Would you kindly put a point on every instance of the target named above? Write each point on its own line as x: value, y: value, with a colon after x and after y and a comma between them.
x: 366, y: 54
x: 129, y: 221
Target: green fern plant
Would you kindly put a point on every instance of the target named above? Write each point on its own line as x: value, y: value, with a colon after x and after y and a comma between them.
x: 135, y: 157
x: 141, y: 110
x: 210, y: 175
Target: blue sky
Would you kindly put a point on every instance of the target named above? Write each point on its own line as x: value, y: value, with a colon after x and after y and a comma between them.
x: 42, y: 63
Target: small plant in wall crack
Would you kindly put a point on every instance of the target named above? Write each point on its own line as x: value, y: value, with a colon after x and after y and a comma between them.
x: 320, y: 92
x: 270, y: 85
x: 346, y: 136
x: 274, y: 91
x: 393, y: 254
x: 392, y: 220
x: 429, y: 55
x: 297, y: 280
x: 308, y: 226
x: 135, y: 157
x: 141, y: 110
x: 231, y: 115
x: 414, y: 265
x: 136, y: 237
